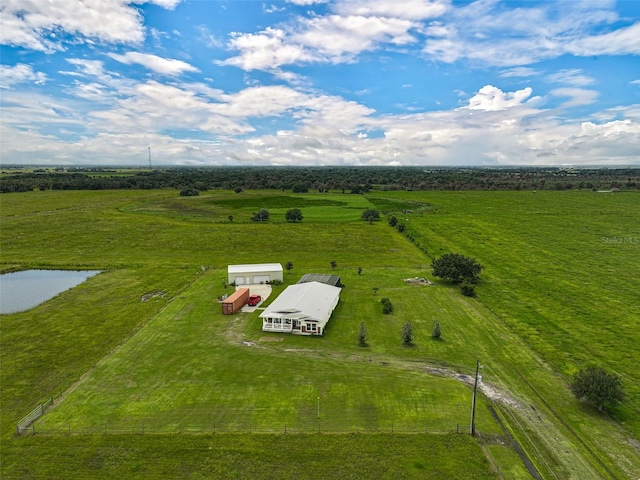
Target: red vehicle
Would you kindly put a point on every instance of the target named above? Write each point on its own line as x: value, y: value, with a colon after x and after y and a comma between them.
x: 254, y: 300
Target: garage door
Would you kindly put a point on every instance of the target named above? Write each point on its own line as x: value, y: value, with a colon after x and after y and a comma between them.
x: 239, y: 281
x: 261, y: 278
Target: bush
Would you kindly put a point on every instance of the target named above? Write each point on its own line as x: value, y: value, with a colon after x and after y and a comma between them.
x: 467, y: 289
x: 370, y: 214
x: 387, y: 307
x: 261, y: 215
x: 436, y: 331
x: 362, y: 335
x: 407, y: 334
x: 189, y: 192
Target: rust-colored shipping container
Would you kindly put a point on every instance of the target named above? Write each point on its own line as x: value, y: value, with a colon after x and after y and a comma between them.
x: 235, y: 301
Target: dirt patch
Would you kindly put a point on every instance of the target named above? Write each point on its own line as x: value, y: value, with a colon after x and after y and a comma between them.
x: 271, y: 339
x: 148, y: 296
x: 487, y: 389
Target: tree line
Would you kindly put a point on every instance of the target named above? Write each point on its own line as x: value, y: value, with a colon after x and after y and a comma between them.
x: 317, y: 179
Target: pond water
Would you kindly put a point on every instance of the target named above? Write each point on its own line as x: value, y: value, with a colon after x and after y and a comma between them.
x: 20, y: 291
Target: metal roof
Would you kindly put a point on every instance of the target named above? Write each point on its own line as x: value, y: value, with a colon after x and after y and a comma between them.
x: 322, y: 278
x: 255, y: 268
x: 312, y: 301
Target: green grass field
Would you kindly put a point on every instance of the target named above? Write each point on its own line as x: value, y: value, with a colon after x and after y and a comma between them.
x: 174, y: 363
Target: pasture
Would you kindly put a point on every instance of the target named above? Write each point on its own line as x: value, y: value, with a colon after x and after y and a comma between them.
x: 173, y: 363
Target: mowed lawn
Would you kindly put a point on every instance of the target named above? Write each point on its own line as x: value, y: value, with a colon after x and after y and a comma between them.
x: 189, y: 368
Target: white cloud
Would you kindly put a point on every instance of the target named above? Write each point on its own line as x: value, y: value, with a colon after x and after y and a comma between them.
x: 624, y: 41
x: 490, y: 99
x: 519, y: 72
x: 573, y: 77
x: 35, y: 24
x: 486, y: 32
x: 266, y: 50
x: 166, y: 66
x: 406, y: 9
x: 577, y: 96
x: 340, y: 38
x: 306, y: 2
x: 216, y: 127
x: 20, y: 73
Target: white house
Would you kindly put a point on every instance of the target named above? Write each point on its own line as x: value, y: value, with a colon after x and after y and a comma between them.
x: 254, y: 274
x: 302, y: 309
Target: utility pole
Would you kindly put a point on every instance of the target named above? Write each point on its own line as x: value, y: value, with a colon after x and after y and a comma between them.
x: 473, y: 401
x: 149, y: 158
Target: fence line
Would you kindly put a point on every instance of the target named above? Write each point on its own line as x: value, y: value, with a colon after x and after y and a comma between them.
x: 129, y: 428
x: 33, y: 416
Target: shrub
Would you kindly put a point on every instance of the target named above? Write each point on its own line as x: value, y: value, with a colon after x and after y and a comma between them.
x: 467, y: 289
x: 407, y: 334
x: 189, y: 192
x: 387, y: 307
x: 436, y: 331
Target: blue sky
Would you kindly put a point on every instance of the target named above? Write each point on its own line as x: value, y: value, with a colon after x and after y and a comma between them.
x: 304, y: 82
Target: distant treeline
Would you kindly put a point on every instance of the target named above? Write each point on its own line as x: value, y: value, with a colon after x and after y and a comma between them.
x: 319, y: 179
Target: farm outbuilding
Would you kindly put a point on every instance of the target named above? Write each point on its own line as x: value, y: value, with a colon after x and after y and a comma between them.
x: 254, y: 274
x: 301, y: 309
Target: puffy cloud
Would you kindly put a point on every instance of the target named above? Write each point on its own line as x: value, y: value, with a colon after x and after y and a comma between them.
x: 20, y: 73
x: 340, y: 37
x: 166, y: 66
x: 266, y: 50
x: 490, y: 98
x: 407, y: 9
x: 35, y: 24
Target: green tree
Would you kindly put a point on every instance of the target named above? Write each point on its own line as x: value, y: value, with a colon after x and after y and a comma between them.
x: 362, y: 334
x: 288, y: 266
x: 370, y: 215
x: 359, y: 270
x: 457, y: 268
x: 293, y: 215
x: 393, y: 221
x: 231, y: 218
x: 334, y: 264
x: 407, y: 334
x: 436, y: 331
x: 598, y: 387
x: 261, y: 215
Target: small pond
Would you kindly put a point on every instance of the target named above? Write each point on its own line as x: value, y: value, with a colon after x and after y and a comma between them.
x: 20, y: 291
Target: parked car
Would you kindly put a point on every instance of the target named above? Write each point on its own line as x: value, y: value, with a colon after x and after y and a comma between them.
x: 254, y: 300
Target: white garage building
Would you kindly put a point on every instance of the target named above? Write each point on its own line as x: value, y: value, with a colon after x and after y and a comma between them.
x: 302, y: 309
x: 254, y: 274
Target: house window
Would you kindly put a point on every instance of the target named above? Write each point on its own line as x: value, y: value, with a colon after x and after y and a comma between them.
x: 311, y: 327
